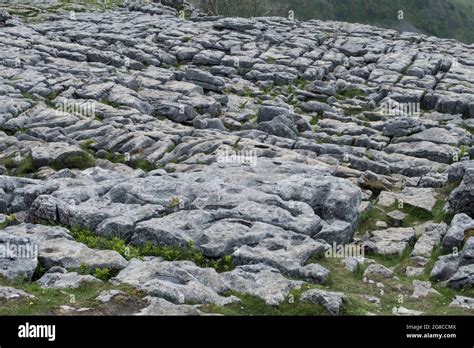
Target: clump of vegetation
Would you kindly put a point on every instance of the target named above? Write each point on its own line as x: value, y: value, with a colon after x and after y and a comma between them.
x: 267, y: 90
x: 463, y: 151
x: 103, y: 274
x: 170, y: 148
x: 316, y: 118
x: 23, y: 167
x: 174, y: 202
x: 143, y: 164
x: 169, y: 253
x: 351, y: 93
x: 368, y: 219
x: 86, y: 145
x: 253, y: 119
x: 50, y: 97
x: 415, y: 216
x: 28, y: 95
x: 301, y: 83
x: 10, y: 220
x: 82, y: 161
x: 111, y: 103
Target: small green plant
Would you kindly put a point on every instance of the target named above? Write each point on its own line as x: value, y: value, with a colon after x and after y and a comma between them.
x: 174, y: 202
x: 28, y: 95
x: 170, y: 147
x: 248, y: 92
x: 83, y: 269
x: 82, y: 161
x: 22, y: 166
x: 102, y: 274
x: 168, y: 253
x: 50, y: 97
x: 463, y: 151
x: 111, y: 103
x: 10, y: 220
x: 267, y: 90
x: 85, y: 145
x: 143, y: 164
x: 301, y: 83
x: 253, y: 119
x: 351, y: 93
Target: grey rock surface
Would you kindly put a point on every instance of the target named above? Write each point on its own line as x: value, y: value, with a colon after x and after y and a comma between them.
x: 332, y: 301
x: 262, y: 141
x: 70, y: 280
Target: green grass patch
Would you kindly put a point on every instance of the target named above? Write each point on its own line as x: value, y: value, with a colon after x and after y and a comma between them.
x: 50, y: 97
x: 111, y: 103
x: 368, y: 219
x: 143, y: 164
x: 28, y: 95
x: 351, y: 93
x: 11, y: 220
x: 46, y: 301
x: 315, y: 119
x: 170, y: 148
x: 255, y: 306
x: 82, y: 161
x: 24, y: 167
x: 168, y: 253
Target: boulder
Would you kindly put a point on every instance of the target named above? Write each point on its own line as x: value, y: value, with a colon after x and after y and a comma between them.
x: 332, y: 301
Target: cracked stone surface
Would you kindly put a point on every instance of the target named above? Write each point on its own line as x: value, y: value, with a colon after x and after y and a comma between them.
x: 264, y: 140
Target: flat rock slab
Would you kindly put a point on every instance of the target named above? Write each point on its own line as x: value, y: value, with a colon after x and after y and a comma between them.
x: 423, y: 198
x: 286, y: 251
x: 177, y: 281
x: 70, y: 280
x: 430, y: 238
x: 108, y: 295
x: 57, y: 248
x: 423, y: 289
x: 392, y: 241
x: 159, y: 306
x: 9, y: 293
x: 54, y: 153
x: 377, y: 272
x: 261, y: 281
